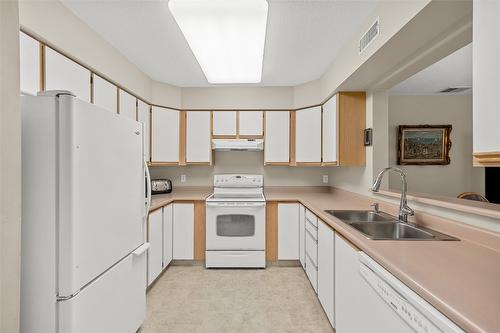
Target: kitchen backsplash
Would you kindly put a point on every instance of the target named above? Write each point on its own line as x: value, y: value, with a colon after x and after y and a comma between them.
x: 242, y: 162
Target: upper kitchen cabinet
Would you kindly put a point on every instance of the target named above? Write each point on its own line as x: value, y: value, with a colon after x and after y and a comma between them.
x: 224, y: 124
x: 198, y: 144
x: 330, y: 132
x: 486, y: 74
x: 251, y: 124
x: 104, y: 94
x: 277, y: 138
x: 165, y: 136
x: 29, y: 50
x: 144, y: 117
x: 308, y: 136
x: 343, y: 129
x: 127, y: 104
x: 62, y: 73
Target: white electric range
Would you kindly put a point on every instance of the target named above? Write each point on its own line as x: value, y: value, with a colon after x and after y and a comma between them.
x: 236, y: 222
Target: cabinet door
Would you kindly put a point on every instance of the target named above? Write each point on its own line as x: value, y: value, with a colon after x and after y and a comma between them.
x: 224, y: 123
x: 326, y: 237
x: 277, y: 137
x: 105, y: 94
x: 198, y: 145
x: 167, y: 234
x: 62, y: 73
x: 29, y: 52
x: 127, y: 105
x: 330, y: 131
x: 155, y: 239
x: 288, y: 231
x: 165, y: 135
x: 183, y: 231
x: 308, y: 135
x: 143, y: 116
x: 302, y: 235
x: 250, y: 123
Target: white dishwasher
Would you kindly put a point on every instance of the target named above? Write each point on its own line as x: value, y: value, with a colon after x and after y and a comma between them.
x: 418, y: 314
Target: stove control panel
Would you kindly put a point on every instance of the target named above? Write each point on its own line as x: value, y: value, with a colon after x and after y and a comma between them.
x: 236, y: 180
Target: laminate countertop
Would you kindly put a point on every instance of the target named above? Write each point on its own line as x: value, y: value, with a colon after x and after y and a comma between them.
x: 180, y: 194
x: 459, y: 278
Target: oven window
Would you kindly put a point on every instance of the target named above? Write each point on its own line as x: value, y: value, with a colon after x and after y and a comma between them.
x: 235, y: 225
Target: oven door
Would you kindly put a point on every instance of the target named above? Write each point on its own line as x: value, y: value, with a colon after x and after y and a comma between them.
x: 236, y: 226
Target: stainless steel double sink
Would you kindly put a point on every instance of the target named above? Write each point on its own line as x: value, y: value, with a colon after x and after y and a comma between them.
x: 382, y: 226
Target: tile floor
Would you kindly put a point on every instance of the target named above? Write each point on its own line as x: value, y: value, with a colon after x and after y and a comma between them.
x: 195, y: 299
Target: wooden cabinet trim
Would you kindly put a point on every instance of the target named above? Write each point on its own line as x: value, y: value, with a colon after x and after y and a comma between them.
x: 199, y: 230
x: 293, y: 127
x: 486, y: 159
x: 351, y: 124
x: 182, y: 138
x: 42, y: 67
x: 272, y: 231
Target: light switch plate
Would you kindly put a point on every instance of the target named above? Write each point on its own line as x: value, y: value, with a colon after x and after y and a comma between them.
x: 325, y: 179
x: 183, y: 178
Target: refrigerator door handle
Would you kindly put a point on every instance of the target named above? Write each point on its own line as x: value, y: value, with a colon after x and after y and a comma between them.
x: 148, y: 189
x: 141, y: 249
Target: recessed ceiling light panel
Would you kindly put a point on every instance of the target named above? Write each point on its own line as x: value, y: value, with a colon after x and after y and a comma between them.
x: 226, y: 36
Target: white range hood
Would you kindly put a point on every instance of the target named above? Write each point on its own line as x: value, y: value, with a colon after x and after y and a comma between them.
x: 238, y: 144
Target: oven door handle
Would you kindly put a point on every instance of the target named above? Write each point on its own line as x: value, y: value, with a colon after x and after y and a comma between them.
x: 234, y: 204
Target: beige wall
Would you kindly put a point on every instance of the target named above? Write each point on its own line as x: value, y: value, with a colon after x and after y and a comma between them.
x: 242, y: 162
x: 56, y: 24
x: 238, y: 97
x: 393, y: 16
x: 360, y: 179
x: 448, y: 180
x: 307, y: 94
x: 10, y: 168
x: 165, y: 94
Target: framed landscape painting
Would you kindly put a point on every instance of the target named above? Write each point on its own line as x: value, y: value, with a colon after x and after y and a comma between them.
x: 424, y: 144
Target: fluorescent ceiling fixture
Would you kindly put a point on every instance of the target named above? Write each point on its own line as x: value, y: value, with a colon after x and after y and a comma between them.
x: 226, y: 36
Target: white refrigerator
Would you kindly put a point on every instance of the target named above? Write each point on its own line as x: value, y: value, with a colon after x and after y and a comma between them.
x: 83, y: 250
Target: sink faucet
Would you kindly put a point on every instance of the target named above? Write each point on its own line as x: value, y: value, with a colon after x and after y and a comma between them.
x: 404, y: 209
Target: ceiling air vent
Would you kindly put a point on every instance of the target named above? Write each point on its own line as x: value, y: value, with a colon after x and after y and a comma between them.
x: 453, y: 90
x: 369, y: 36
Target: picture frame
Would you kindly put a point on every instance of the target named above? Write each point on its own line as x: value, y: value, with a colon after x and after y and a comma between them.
x: 424, y: 144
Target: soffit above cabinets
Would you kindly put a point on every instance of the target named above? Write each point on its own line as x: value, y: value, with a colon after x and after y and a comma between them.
x: 455, y: 70
x: 302, y: 37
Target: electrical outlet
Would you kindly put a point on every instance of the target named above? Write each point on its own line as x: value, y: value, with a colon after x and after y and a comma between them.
x: 325, y: 179
x: 183, y: 178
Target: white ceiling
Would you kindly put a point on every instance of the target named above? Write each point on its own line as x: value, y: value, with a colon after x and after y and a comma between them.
x: 454, y: 70
x: 302, y: 39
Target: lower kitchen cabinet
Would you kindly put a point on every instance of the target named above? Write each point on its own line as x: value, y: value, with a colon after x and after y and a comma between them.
x: 311, y: 245
x: 288, y: 231
x: 155, y: 239
x: 183, y: 231
x: 167, y: 234
x: 326, y: 269
x: 302, y: 231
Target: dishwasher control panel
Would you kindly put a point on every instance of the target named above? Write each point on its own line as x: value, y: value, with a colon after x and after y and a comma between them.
x: 405, y: 310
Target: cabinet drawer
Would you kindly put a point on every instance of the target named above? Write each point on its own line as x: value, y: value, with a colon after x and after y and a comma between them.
x: 311, y: 218
x: 313, y: 230
x: 312, y: 273
x: 311, y: 248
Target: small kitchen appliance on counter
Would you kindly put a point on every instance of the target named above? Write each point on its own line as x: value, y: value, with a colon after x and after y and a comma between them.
x: 160, y: 186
